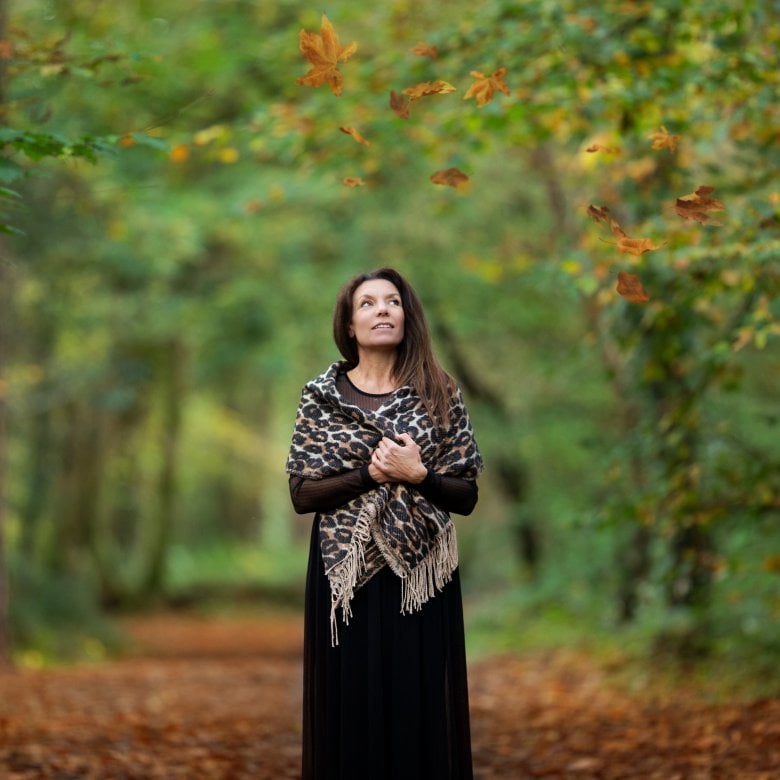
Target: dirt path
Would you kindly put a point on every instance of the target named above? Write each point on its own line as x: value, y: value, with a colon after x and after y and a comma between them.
x: 219, y: 699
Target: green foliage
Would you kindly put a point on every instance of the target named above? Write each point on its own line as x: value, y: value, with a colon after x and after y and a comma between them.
x: 216, y: 229
x: 56, y: 618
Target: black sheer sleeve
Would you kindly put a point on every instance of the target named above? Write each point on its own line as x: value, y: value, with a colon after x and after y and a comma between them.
x: 452, y: 494
x: 319, y: 495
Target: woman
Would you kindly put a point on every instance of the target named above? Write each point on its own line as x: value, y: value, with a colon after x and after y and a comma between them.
x: 383, y: 451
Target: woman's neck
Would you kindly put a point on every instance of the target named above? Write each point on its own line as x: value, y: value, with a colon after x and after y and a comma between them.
x: 374, y: 373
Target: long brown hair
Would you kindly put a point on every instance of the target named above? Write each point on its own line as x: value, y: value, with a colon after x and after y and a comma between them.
x: 415, y: 363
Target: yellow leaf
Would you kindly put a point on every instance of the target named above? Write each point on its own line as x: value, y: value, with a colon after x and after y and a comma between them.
x: 229, y: 155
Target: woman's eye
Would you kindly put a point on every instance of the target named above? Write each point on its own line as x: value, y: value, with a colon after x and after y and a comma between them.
x: 395, y: 302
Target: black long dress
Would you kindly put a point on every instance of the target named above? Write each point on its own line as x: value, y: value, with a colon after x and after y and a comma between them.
x: 390, y: 701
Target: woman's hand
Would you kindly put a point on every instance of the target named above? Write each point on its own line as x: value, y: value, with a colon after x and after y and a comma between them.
x: 394, y: 462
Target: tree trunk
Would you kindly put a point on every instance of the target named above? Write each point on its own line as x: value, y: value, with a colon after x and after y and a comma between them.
x: 511, y: 471
x: 5, y: 303
x: 5, y: 300
x: 173, y: 391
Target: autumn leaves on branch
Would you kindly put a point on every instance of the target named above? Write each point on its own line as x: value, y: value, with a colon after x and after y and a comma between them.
x: 324, y: 53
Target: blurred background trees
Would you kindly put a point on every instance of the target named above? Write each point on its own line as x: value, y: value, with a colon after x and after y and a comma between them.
x: 167, y: 301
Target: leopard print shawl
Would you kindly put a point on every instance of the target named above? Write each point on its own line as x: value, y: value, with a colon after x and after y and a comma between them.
x: 392, y: 524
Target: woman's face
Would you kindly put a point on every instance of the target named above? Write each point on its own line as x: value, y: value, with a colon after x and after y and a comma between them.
x: 377, y: 315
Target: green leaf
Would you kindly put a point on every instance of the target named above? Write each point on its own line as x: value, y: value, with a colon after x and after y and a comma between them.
x: 10, y: 170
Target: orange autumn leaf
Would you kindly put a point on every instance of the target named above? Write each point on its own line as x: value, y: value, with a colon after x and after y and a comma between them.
x: 636, y: 246
x: 355, y: 134
x: 426, y: 88
x: 180, y: 153
x: 630, y: 287
x: 354, y: 181
x: 324, y: 52
x: 452, y: 177
x: 697, y: 206
x: 126, y: 141
x: 399, y: 104
x: 424, y: 49
x: 663, y: 139
x: 626, y: 244
x: 484, y: 87
x: 606, y: 149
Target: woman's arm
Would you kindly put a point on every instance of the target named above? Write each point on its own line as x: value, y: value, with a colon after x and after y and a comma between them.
x: 318, y: 495
x: 452, y: 494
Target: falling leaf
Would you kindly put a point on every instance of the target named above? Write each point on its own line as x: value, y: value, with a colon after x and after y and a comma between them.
x: 355, y: 181
x: 484, y: 87
x: 631, y: 246
x: 324, y: 52
x: 355, y: 134
x: 399, y: 104
x: 636, y: 246
x: 423, y: 49
x: 662, y: 139
x: 451, y: 177
x: 6, y: 49
x: 697, y: 205
x: 180, y: 153
x: 599, y: 214
x: 228, y: 155
x: 630, y: 287
x: 428, y: 88
x: 605, y: 149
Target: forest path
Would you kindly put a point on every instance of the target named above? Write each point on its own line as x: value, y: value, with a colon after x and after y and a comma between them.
x: 219, y: 698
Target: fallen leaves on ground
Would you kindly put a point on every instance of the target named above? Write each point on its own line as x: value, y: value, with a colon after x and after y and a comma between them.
x: 219, y: 698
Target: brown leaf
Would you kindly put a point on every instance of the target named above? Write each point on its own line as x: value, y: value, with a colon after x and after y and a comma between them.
x: 662, y: 139
x: 452, y: 177
x: 399, y: 104
x: 424, y: 49
x: 606, y: 149
x: 426, y: 88
x: 484, y: 87
x: 630, y: 287
x: 355, y: 134
x: 324, y: 52
x: 599, y: 214
x: 697, y: 205
x: 354, y: 181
